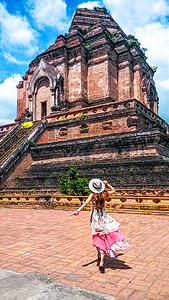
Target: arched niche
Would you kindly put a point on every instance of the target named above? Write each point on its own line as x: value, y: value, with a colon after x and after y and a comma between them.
x: 42, y: 98
x: 45, y: 74
x: 150, y: 97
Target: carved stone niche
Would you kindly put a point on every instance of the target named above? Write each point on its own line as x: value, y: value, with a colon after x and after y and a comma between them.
x: 133, y: 121
x: 84, y: 128
x: 63, y: 131
x: 107, y: 125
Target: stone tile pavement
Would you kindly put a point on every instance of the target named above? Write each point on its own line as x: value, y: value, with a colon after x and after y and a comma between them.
x: 56, y: 243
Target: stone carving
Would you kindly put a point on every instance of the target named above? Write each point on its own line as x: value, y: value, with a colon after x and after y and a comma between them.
x: 56, y: 85
x: 107, y: 125
x: 43, y: 70
x: 132, y: 121
x: 63, y: 131
x: 84, y: 128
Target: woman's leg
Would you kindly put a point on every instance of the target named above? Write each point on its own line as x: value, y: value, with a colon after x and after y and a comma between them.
x: 98, y: 257
x: 102, y: 259
x: 98, y: 254
x: 101, y: 267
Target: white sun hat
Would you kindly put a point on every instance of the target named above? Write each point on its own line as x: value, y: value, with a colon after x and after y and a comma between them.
x: 96, y: 185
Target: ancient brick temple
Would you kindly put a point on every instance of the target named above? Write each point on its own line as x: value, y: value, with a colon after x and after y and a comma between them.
x: 95, y: 63
x: 96, y: 97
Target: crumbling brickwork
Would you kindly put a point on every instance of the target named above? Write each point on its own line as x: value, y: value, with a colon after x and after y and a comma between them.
x: 97, y: 93
x: 97, y: 62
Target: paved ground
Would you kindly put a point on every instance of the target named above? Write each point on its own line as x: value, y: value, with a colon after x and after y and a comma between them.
x: 58, y: 244
x: 34, y: 286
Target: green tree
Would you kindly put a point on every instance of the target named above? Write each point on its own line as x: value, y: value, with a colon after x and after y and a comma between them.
x: 74, y: 185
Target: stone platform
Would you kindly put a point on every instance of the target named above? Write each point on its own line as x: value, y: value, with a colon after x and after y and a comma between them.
x: 58, y: 244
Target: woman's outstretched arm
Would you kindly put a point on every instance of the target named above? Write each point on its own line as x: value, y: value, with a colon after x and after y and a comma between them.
x: 111, y: 190
x: 76, y: 212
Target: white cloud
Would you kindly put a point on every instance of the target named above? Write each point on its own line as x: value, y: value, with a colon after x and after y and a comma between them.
x: 154, y: 37
x: 136, y: 13
x: 8, y: 99
x: 32, y: 51
x: 90, y: 4
x: 165, y: 84
x: 15, y: 29
x: 12, y: 59
x: 50, y: 13
x: 8, y: 91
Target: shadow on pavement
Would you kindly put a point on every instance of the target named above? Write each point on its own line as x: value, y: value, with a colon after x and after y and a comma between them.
x: 111, y: 263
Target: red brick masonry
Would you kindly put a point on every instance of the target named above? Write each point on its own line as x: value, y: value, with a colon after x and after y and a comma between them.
x: 59, y: 244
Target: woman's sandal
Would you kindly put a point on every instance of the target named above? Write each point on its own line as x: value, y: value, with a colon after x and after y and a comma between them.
x: 101, y: 269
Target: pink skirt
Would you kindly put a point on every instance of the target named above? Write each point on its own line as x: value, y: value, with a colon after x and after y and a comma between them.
x: 107, y: 237
x: 104, y: 242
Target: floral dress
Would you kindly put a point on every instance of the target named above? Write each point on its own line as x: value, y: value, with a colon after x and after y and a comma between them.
x: 107, y: 237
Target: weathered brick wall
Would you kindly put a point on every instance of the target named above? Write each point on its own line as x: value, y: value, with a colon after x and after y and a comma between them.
x: 16, y: 171
x: 96, y: 65
x: 77, y: 81
x: 146, y: 172
x: 83, y: 130
x: 98, y: 82
x: 125, y: 78
x: 75, y: 88
x: 22, y: 98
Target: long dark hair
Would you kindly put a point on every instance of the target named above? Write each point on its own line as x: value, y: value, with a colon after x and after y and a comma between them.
x: 100, y: 199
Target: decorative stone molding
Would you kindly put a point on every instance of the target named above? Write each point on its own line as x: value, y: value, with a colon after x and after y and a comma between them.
x: 63, y: 131
x: 152, y: 139
x: 133, y: 121
x: 56, y: 84
x: 43, y: 70
x: 84, y: 128
x: 107, y: 125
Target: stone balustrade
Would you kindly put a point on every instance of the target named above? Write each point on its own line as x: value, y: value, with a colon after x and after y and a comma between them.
x: 119, y: 202
x: 4, y: 129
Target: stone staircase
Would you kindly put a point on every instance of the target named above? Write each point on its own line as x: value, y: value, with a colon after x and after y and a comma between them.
x: 16, y: 143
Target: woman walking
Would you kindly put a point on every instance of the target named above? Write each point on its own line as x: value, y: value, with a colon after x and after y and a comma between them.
x: 107, y: 237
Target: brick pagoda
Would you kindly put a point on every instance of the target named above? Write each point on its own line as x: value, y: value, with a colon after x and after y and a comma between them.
x: 96, y: 93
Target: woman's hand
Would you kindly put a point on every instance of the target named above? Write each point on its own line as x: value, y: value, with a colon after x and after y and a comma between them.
x: 111, y: 189
x: 76, y: 213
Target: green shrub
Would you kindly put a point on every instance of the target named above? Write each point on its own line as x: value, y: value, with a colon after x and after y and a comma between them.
x: 74, y: 185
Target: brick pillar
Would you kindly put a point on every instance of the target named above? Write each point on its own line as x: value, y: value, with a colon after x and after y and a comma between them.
x: 34, y: 106
x: 63, y: 69
x: 137, y: 82
x: 21, y: 98
x: 54, y: 99
x: 77, y: 79
x: 30, y: 104
x: 125, y: 77
x: 98, y: 80
x: 113, y: 88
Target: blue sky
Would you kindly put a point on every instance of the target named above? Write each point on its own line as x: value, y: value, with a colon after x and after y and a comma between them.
x: 27, y: 28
